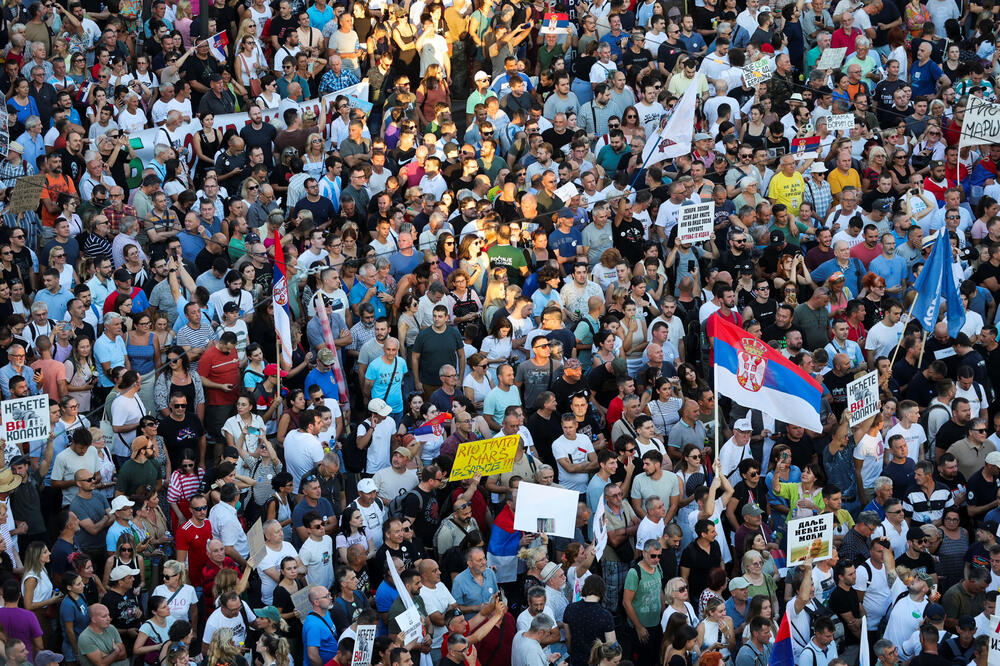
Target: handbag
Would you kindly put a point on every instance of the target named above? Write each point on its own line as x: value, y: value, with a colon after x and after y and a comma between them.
x: 255, y: 86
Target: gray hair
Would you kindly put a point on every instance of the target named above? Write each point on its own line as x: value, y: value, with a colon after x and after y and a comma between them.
x: 91, y: 155
x: 869, y: 518
x: 366, y: 269
x: 883, y: 482
x: 271, y: 523
x: 160, y: 149
x: 382, y: 262
x: 862, y: 42
x: 882, y: 646
x: 39, y: 306
x: 128, y: 223
x: 541, y: 622
x: 977, y: 422
x: 32, y: 121
x: 446, y: 368
x: 543, y: 468
x: 111, y: 317
x: 536, y: 592
x: 651, y: 544
x: 649, y: 501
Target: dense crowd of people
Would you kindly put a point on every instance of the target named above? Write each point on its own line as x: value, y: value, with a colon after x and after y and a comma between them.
x: 452, y: 206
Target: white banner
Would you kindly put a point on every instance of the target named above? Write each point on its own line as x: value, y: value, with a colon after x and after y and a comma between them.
x: 840, y: 121
x: 695, y: 222
x: 25, y: 419
x: 810, y: 537
x: 981, y: 124
x: 862, y: 397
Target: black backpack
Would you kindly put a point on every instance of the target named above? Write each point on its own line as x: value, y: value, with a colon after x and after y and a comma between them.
x: 355, y: 458
x: 397, y: 502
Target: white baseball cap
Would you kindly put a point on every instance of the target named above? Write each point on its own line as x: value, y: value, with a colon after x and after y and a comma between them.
x: 744, y: 425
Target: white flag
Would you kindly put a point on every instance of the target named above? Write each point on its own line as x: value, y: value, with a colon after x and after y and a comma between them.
x: 676, y: 134
x: 864, y: 659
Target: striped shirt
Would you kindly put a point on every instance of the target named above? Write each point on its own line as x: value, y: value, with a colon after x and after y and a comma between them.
x: 923, y: 508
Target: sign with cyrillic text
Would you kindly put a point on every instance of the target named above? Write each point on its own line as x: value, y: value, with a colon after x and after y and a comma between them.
x: 25, y: 419
x: 862, y: 397
x: 810, y: 537
x: 695, y: 222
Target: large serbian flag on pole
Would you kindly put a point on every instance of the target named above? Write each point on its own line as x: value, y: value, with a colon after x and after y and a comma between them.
x: 756, y: 376
x: 282, y: 316
x: 782, y: 653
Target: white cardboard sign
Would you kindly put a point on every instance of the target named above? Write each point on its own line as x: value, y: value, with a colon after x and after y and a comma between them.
x: 862, y: 397
x: 695, y: 222
x: 548, y: 509
x: 25, y: 419
x: 840, y: 121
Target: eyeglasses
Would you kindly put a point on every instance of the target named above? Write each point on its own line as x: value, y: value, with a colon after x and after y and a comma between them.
x: 544, y: 344
x: 173, y: 360
x: 978, y: 429
x: 188, y: 466
x: 653, y: 556
x: 253, y: 187
x: 126, y: 550
x: 90, y: 480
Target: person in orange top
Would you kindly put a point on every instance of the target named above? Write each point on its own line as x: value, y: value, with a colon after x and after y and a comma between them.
x: 843, y: 175
x: 55, y: 184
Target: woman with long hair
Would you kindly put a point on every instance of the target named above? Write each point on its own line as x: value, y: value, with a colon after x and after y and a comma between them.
x: 314, y: 157
x: 126, y: 553
x: 179, y: 593
x: 22, y: 104
x: 353, y: 532
x: 447, y: 257
x: 249, y: 63
x: 877, y: 165
x: 177, y: 179
x: 432, y: 90
x: 81, y: 373
x: 141, y: 346
x: 74, y: 615
x: 269, y: 98
x: 281, y: 503
x: 679, y: 646
x: 150, y: 517
x: 477, y: 384
x: 474, y: 261
x: 295, y: 404
x: 207, y: 142
x: 691, y: 474
x: 805, y: 497
x: 577, y: 560
x: 223, y: 650
x: 155, y: 631
x: 715, y: 631
x: 288, y: 584
x: 954, y: 546
x: 273, y: 650
x: 660, y: 403
x: 185, y: 482
x: 496, y: 299
x: 36, y: 588
x: 760, y: 606
x: 753, y: 571
x: 177, y: 375
x: 604, y: 654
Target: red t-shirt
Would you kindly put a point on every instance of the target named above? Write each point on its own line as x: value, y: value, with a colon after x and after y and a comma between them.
x: 221, y: 369
x: 195, y: 541
x: 208, y: 574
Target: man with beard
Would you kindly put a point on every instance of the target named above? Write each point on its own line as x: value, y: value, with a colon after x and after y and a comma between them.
x: 233, y: 293
x: 258, y: 133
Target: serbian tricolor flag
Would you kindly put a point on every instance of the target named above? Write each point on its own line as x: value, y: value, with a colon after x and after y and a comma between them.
x: 324, y: 323
x: 781, y: 653
x: 804, y: 147
x: 756, y: 376
x: 217, y: 45
x: 555, y: 24
x: 433, y: 425
x: 282, y: 316
x: 504, y: 544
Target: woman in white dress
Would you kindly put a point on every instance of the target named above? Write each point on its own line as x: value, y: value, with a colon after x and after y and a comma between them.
x: 716, y: 631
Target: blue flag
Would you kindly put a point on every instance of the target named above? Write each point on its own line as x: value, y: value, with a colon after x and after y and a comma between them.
x: 936, y: 282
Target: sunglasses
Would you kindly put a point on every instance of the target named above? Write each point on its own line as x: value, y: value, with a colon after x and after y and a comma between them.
x: 200, y: 508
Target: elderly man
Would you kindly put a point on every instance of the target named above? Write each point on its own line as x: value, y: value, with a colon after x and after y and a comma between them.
x: 95, y: 174
x: 17, y: 367
x: 14, y: 166
x: 475, y: 587
x: 226, y: 525
x: 100, y: 644
x: 336, y: 78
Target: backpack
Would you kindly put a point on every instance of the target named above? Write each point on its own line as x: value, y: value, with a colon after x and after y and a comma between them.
x: 355, y: 458
x: 924, y: 423
x: 396, y: 505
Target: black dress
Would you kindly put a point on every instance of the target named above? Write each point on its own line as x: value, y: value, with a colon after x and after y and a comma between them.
x: 209, y: 148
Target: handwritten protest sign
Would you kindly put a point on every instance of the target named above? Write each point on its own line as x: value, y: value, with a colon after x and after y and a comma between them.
x: 809, y: 537
x: 756, y: 72
x: 25, y: 419
x: 485, y: 456
x: 831, y: 58
x: 546, y: 509
x: 840, y: 121
x: 27, y: 193
x: 695, y: 222
x: 981, y: 124
x: 364, y: 645
x: 862, y: 397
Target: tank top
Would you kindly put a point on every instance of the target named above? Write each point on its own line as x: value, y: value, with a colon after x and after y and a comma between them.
x: 141, y: 356
x: 409, y: 55
x: 186, y: 389
x: 209, y: 148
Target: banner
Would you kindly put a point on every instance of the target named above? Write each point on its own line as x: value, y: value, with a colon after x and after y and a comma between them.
x: 364, y: 644
x: 981, y: 124
x: 756, y: 72
x: 25, y: 419
x: 831, y: 58
x: 840, y: 121
x: 862, y: 397
x: 810, y: 537
x: 546, y: 510
x: 695, y: 222
x: 485, y: 457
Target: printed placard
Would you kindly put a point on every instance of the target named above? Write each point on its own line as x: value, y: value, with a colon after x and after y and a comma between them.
x: 756, y: 72
x: 364, y: 643
x: 25, y: 419
x: 840, y: 121
x: 810, y: 537
x: 695, y: 222
x: 831, y: 58
x: 410, y: 625
x: 567, y: 192
x: 546, y: 508
x: 993, y: 658
x: 485, y: 457
x: 862, y: 397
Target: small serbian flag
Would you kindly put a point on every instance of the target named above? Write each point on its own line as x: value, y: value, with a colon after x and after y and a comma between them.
x: 756, y: 376
x: 217, y: 43
x: 555, y: 24
x: 433, y: 425
x: 781, y: 653
x: 81, y: 95
x: 279, y: 293
x: 805, y: 147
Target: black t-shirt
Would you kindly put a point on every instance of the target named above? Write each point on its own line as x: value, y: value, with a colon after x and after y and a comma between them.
x: 700, y: 565
x: 72, y: 165
x: 263, y: 137
x: 406, y: 552
x: 980, y: 491
x: 587, y: 621
x: 280, y: 25
x: 629, y: 239
x: 923, y: 563
x: 667, y: 54
x: 987, y: 270
x: 845, y: 601
x: 180, y: 435
x: 544, y: 432
x: 949, y: 433
x: 838, y: 390
x: 426, y: 511
x: 635, y: 62
x: 123, y: 610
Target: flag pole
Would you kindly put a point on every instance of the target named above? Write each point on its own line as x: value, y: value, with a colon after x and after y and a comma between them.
x: 715, y: 390
x: 277, y: 395
x: 899, y: 342
x: 923, y: 339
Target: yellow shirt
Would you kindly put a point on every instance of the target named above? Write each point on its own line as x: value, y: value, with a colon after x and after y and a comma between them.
x: 839, y: 181
x: 787, y: 190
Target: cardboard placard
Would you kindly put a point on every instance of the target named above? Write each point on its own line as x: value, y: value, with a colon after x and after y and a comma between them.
x: 862, y: 397
x: 364, y: 645
x: 27, y: 193
x: 485, y: 456
x: 548, y: 509
x: 255, y: 537
x: 993, y: 658
x: 301, y: 601
x: 810, y: 536
x: 25, y: 419
x: 695, y: 222
x: 410, y: 626
x: 840, y: 121
x: 756, y: 72
x: 831, y: 58
x: 981, y: 124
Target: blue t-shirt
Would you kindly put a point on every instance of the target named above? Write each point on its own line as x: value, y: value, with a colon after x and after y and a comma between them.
x: 381, y: 373
x: 693, y: 44
x: 323, y: 508
x: 108, y: 351
x: 358, y: 291
x: 322, y: 633
x: 318, y: 18
x: 324, y: 380
x: 893, y: 270
x: 565, y: 242
x: 924, y: 78
x: 191, y: 245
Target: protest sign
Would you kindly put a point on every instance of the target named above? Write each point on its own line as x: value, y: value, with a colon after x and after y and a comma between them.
x: 809, y: 537
x: 410, y: 625
x: 695, y: 222
x: 600, y: 529
x: 548, y: 509
x: 485, y: 457
x: 300, y: 600
x: 567, y: 192
x: 25, y: 419
x: 255, y: 537
x: 981, y: 124
x: 831, y: 58
x: 993, y: 658
x: 840, y: 121
x: 756, y: 72
x: 862, y: 397
x: 27, y: 193
x: 4, y: 126
x: 805, y: 147
x: 363, y: 645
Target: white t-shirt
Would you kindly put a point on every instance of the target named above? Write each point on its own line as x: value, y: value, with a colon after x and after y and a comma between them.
x: 390, y: 483
x: 218, y: 621
x: 302, y: 452
x: 720, y: 535
x: 318, y: 558
x: 799, y: 626
x: 436, y: 599
x: 65, y: 466
x: 649, y: 530
x: 374, y: 516
x: 576, y: 450
x: 905, y: 619
x: 179, y: 603
x: 970, y: 394
x: 649, y: 116
x: 871, y: 450
x: 126, y: 410
x: 914, y: 436
x: 525, y: 618
x: 876, y: 589
x: 272, y: 559
x: 883, y: 339
x: 184, y: 107
x: 132, y: 122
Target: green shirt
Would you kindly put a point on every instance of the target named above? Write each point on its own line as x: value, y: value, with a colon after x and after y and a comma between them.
x: 89, y: 641
x: 646, y: 601
x: 510, y: 258
x: 133, y: 476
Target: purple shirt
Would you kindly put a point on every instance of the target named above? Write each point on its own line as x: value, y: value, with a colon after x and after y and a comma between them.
x: 21, y: 623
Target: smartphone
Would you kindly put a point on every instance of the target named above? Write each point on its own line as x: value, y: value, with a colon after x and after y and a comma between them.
x: 253, y: 430
x: 690, y: 265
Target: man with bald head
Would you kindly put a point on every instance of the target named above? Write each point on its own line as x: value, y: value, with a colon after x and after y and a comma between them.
x: 100, y: 644
x: 232, y: 165
x: 836, y: 381
x: 318, y: 633
x: 94, y: 513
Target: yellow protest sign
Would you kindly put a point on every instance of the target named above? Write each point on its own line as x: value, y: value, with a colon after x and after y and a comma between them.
x: 485, y: 456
